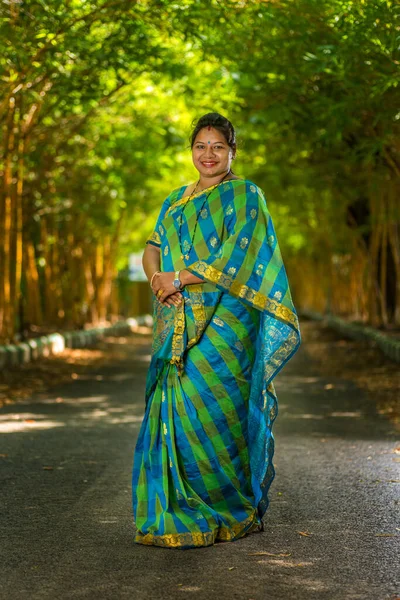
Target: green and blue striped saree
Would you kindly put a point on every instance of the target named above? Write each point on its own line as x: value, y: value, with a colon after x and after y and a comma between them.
x: 203, y: 461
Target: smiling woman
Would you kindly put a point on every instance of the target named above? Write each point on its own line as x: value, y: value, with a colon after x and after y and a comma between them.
x: 224, y: 325
x: 213, y: 148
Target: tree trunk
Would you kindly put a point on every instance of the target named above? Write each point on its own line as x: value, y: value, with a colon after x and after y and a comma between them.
x: 383, y: 273
x: 394, y: 243
x: 33, y: 307
x: 373, y: 291
x: 6, y: 318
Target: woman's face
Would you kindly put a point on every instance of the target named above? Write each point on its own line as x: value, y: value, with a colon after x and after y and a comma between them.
x: 211, y: 154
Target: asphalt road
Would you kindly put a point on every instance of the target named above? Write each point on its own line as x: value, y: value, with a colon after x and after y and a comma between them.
x: 66, y: 517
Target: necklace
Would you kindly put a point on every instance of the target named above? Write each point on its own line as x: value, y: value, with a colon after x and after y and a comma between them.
x: 186, y: 256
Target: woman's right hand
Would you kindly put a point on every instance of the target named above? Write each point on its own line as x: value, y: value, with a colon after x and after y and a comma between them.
x: 173, y: 299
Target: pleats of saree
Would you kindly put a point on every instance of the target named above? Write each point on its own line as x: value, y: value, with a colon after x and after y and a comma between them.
x: 191, y: 474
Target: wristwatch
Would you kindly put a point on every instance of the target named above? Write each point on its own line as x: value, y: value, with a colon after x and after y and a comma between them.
x: 177, y: 282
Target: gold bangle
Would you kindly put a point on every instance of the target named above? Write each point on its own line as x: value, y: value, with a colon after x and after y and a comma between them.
x: 154, y: 274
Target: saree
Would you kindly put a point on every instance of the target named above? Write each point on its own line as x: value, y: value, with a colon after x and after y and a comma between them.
x: 202, y: 464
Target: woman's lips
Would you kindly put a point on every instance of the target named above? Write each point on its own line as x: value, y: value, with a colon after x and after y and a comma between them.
x: 209, y: 163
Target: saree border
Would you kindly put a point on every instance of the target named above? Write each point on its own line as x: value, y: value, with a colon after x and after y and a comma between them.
x: 186, y: 199
x: 154, y: 238
x: 200, y: 538
x: 257, y: 299
x: 199, y: 312
x: 177, y: 337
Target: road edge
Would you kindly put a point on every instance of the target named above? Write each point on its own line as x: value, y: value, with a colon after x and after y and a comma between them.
x: 388, y: 345
x: 13, y: 355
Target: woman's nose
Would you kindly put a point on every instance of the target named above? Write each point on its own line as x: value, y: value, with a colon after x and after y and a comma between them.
x: 209, y: 151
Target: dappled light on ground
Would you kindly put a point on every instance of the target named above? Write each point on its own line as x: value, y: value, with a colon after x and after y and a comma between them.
x: 25, y: 423
x: 66, y: 467
x: 20, y: 382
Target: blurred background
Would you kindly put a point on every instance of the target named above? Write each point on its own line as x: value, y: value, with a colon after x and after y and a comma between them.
x: 97, y: 101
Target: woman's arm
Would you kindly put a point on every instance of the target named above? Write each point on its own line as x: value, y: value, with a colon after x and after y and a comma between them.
x: 187, y: 277
x: 151, y: 260
x: 151, y: 263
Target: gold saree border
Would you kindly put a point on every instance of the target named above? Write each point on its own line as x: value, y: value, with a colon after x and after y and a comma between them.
x: 199, y: 313
x: 154, y: 237
x: 186, y: 199
x: 200, y: 538
x: 241, y: 290
x: 177, y: 337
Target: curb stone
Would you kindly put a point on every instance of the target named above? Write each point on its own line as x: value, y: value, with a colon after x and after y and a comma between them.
x: 12, y: 355
x: 389, y: 346
x: 24, y: 352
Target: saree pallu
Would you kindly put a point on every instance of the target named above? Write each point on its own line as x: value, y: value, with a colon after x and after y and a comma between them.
x: 203, y: 460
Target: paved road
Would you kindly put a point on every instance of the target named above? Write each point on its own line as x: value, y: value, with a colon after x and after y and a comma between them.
x: 66, y: 525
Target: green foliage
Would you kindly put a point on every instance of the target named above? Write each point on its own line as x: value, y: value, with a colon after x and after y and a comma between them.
x: 311, y: 85
x: 319, y: 83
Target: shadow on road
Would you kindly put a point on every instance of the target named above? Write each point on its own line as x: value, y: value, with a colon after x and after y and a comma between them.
x: 330, y: 530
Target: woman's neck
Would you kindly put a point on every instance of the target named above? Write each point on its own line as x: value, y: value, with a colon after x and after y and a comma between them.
x: 206, y: 182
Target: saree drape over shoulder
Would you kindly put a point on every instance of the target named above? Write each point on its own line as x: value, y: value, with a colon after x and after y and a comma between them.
x: 203, y: 460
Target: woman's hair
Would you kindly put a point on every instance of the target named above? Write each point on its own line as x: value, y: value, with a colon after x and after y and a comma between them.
x: 219, y: 122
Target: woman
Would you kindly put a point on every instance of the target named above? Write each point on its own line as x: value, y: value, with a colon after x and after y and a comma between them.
x: 224, y: 325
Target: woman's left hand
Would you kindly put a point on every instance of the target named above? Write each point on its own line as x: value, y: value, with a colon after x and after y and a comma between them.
x: 164, y: 283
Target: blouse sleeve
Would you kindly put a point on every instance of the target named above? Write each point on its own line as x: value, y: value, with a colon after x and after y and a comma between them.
x: 155, y: 237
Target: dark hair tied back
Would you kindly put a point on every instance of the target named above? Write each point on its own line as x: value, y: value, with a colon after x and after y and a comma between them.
x: 219, y: 122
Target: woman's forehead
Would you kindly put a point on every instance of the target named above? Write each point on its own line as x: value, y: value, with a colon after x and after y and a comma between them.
x: 211, y: 135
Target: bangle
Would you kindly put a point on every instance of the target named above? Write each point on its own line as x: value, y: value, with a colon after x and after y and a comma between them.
x: 154, y: 274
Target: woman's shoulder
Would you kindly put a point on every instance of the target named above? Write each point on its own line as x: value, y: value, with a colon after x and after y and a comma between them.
x: 248, y: 188
x: 252, y: 186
